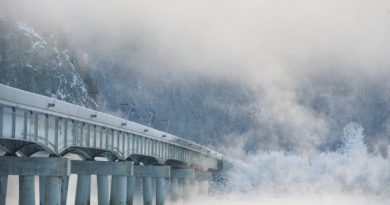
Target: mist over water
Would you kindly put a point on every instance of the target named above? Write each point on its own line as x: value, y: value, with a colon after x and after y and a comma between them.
x: 350, y: 169
x: 312, y: 66
x: 349, y: 175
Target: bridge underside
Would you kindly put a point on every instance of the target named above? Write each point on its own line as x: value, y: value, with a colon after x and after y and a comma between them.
x: 144, y: 160
x: 22, y: 148
x: 90, y: 153
x: 13, y: 147
x: 176, y: 164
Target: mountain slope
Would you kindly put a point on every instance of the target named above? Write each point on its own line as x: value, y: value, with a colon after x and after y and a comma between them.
x: 36, y: 63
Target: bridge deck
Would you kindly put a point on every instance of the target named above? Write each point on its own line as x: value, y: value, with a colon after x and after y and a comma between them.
x: 30, y: 123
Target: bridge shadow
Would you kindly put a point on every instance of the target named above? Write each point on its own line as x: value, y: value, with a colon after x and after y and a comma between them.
x: 176, y: 164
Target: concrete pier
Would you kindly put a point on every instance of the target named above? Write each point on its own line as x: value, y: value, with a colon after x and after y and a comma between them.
x: 26, y: 190
x: 203, y: 187
x: 147, y: 191
x: 149, y: 173
x: 130, y: 190
x: 83, y: 190
x: 64, y: 189
x: 118, y: 190
x: 53, y: 190
x: 174, y: 189
x: 160, y: 191
x: 180, y: 193
x: 54, y: 178
x: 3, y: 188
x: 154, y: 189
x: 103, y: 190
x: 186, y: 189
x: 50, y: 171
x: 119, y: 171
x: 202, y: 178
x: 137, y: 199
x: 42, y: 190
x: 181, y: 183
x: 195, y: 186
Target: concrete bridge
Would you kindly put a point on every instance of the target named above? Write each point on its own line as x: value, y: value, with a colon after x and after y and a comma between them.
x: 137, y: 159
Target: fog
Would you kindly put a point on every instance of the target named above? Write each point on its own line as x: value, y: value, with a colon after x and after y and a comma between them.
x: 308, y: 61
x: 316, y: 65
x: 293, y: 200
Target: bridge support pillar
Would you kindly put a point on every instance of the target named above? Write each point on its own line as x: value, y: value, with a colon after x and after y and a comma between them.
x: 186, y: 189
x: 147, y: 190
x: 130, y: 190
x: 3, y: 188
x: 195, y: 186
x: 181, y: 189
x: 149, y: 174
x: 160, y: 191
x: 118, y: 190
x: 102, y: 189
x: 119, y: 172
x: 174, y: 189
x: 202, y: 178
x: 42, y: 190
x: 204, y: 187
x: 53, y: 190
x: 83, y: 189
x: 26, y: 190
x: 181, y: 180
x: 137, y: 190
x: 64, y: 189
x: 49, y: 170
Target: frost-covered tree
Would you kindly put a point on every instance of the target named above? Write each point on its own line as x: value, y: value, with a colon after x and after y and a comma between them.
x: 353, y: 139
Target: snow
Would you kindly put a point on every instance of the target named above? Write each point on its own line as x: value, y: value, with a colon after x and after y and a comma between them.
x: 349, y: 170
x: 29, y: 31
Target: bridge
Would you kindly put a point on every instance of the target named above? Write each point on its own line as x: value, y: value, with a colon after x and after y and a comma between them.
x: 127, y: 158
